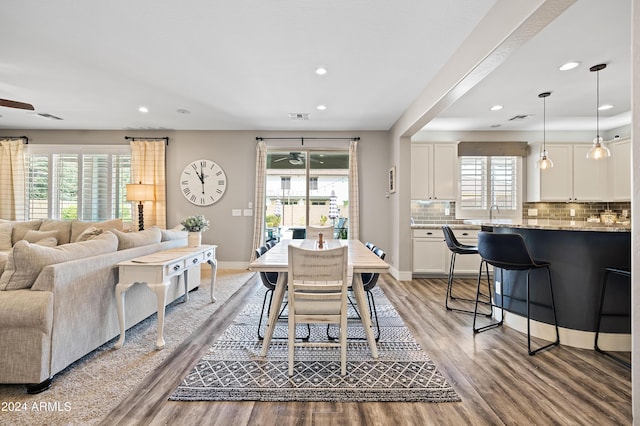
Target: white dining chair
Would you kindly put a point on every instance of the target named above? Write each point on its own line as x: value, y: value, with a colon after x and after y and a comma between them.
x: 314, y: 231
x: 317, y: 293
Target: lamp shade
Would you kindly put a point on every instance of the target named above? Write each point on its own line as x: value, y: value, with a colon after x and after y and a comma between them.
x: 140, y: 192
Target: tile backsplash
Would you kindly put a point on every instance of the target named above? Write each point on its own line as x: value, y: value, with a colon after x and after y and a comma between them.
x: 434, y: 211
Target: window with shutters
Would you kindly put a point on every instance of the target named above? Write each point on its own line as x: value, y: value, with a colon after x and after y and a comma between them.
x: 78, y: 182
x: 489, y: 183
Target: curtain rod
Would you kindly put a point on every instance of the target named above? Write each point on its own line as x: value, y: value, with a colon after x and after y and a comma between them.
x: 131, y: 138
x: 26, y: 139
x: 259, y: 138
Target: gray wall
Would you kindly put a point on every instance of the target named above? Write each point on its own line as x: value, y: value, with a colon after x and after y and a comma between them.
x: 235, y: 152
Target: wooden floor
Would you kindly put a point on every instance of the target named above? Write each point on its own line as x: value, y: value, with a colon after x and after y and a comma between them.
x: 491, y: 371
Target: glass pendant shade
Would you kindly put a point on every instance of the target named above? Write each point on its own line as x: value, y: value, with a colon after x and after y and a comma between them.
x: 598, y: 149
x: 544, y: 162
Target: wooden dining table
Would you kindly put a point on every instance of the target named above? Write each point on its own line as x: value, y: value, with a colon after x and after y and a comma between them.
x: 360, y: 259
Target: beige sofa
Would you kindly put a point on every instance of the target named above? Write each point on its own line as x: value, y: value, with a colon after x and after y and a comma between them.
x: 57, y: 303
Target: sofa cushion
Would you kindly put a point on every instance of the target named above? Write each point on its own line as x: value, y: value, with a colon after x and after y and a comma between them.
x: 4, y: 256
x: 26, y: 260
x: 173, y: 234
x: 6, y: 228
x: 21, y: 228
x: 62, y: 226
x: 47, y: 242
x: 77, y: 227
x: 127, y: 240
x: 89, y: 233
x: 35, y: 236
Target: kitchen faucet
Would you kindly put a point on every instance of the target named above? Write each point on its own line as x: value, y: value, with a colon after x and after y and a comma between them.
x: 491, y: 210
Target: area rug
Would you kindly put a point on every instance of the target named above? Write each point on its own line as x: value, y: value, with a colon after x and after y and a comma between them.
x: 86, y: 391
x: 233, y: 370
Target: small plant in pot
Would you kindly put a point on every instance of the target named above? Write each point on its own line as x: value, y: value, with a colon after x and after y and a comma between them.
x: 195, y: 225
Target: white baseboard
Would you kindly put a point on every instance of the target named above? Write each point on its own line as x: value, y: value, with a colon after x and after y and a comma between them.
x: 228, y: 265
x: 568, y: 337
x: 401, y: 275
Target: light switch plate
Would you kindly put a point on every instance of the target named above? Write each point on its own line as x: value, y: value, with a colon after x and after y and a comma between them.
x: 236, y: 212
x: 247, y: 212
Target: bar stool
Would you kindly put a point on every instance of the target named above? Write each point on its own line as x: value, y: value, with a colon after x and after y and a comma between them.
x: 509, y: 252
x: 605, y: 280
x: 457, y: 248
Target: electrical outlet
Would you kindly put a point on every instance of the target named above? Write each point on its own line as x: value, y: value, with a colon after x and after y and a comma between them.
x: 572, y: 212
x: 498, y: 287
x: 447, y: 212
x: 533, y: 212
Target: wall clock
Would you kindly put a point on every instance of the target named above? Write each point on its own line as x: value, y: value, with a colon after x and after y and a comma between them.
x: 203, y: 182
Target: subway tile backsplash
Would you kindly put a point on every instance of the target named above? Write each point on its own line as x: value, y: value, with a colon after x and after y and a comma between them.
x: 434, y: 211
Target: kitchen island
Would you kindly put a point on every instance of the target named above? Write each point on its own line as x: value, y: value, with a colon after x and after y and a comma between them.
x: 578, y: 251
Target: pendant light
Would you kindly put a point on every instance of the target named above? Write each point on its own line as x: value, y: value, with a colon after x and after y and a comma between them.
x: 544, y: 162
x: 599, y: 149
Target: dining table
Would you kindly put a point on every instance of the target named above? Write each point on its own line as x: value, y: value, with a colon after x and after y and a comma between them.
x: 360, y: 260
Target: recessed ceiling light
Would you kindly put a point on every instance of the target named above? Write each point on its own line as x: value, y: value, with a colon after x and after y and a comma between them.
x: 496, y: 107
x: 569, y: 66
x: 143, y: 109
x: 183, y: 111
x: 605, y: 107
x: 321, y: 71
x: 321, y: 107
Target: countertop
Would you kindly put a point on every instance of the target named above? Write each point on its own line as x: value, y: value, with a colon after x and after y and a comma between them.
x: 438, y: 225
x: 551, y: 224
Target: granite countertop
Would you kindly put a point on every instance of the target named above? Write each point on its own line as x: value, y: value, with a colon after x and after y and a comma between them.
x: 552, y: 224
x: 438, y: 225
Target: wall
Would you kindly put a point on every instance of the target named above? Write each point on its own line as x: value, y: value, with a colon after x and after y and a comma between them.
x: 235, y: 152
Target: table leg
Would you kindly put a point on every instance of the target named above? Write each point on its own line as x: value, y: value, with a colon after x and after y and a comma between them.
x: 214, y: 269
x: 161, y: 294
x: 185, y: 278
x: 276, y: 303
x: 121, y: 289
x: 365, y: 316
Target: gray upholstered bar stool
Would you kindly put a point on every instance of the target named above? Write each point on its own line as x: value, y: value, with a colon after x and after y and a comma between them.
x: 509, y: 252
x: 605, y: 281
x: 456, y: 248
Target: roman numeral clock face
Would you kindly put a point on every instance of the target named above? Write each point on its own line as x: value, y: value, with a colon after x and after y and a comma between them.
x: 203, y: 182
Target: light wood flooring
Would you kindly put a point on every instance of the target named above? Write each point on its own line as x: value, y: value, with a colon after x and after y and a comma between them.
x: 491, y: 371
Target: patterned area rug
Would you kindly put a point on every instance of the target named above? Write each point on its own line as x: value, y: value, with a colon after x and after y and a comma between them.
x: 232, y: 369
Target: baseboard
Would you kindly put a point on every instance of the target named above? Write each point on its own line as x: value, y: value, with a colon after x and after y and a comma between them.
x: 228, y: 265
x: 568, y: 337
x: 400, y: 275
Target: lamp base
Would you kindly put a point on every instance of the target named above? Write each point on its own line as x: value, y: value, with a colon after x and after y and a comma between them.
x: 140, y: 216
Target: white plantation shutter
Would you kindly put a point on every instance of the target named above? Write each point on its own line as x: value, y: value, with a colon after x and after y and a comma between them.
x: 504, y: 182
x: 473, y: 188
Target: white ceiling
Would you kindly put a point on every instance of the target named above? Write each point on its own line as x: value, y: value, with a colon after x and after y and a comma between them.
x: 246, y: 64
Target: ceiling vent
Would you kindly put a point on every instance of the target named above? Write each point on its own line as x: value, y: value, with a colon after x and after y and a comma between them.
x: 518, y: 117
x: 48, y: 116
x: 299, y: 116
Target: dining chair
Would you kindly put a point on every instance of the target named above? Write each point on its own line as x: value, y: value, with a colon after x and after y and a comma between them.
x: 317, y: 291
x: 314, y: 231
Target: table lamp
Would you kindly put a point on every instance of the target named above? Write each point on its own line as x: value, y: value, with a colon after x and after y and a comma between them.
x: 140, y: 192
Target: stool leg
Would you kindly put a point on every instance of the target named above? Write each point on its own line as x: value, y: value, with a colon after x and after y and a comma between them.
x: 475, y: 312
x: 605, y: 280
x: 449, y: 282
x: 555, y: 321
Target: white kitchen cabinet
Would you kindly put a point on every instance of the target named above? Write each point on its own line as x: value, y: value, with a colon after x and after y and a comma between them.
x: 620, y: 171
x: 433, y: 171
x: 427, y: 252
x: 573, y: 177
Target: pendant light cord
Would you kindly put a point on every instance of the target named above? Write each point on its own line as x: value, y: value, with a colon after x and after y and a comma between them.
x: 598, y: 106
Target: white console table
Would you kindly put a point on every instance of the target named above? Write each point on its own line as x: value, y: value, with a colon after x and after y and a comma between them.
x: 156, y: 270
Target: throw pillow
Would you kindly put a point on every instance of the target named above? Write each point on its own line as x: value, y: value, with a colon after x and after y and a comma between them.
x: 173, y: 234
x: 6, y: 228
x: 21, y: 228
x: 89, y: 233
x: 35, y: 236
x: 77, y: 227
x: 62, y: 226
x: 26, y: 260
x: 47, y: 242
x: 127, y: 240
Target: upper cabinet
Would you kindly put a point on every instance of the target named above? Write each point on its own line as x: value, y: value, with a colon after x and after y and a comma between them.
x: 573, y: 177
x: 620, y: 171
x: 433, y: 171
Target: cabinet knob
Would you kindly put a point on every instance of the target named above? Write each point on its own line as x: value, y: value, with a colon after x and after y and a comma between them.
x: 429, y: 233
x: 176, y: 267
x: 195, y: 260
x: 465, y: 234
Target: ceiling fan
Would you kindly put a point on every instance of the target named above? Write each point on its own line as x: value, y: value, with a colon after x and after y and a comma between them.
x: 295, y: 158
x: 15, y: 104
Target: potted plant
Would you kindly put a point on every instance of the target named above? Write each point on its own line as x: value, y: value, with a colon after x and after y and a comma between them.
x: 195, y: 225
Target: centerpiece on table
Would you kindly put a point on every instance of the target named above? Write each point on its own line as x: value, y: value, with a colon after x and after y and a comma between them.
x: 195, y: 225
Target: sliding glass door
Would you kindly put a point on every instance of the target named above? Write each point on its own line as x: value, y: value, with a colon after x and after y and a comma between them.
x: 306, y: 187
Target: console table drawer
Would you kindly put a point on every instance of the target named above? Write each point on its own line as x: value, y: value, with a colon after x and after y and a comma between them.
x: 175, y: 268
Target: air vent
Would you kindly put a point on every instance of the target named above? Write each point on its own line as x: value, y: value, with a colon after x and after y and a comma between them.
x: 299, y: 115
x: 518, y: 117
x: 48, y: 116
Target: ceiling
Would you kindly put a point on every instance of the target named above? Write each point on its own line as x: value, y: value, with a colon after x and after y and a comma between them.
x: 246, y: 65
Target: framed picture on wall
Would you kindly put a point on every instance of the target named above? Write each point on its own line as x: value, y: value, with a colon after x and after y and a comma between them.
x: 392, y: 180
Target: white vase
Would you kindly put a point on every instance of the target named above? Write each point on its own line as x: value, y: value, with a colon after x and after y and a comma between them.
x: 194, y: 239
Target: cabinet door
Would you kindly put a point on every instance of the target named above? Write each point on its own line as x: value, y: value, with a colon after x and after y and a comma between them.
x: 467, y: 264
x: 620, y: 171
x: 589, y: 176
x: 429, y: 256
x: 445, y: 167
x: 421, y: 183
x: 556, y: 183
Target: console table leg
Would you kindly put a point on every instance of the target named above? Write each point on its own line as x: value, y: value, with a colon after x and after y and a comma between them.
x: 120, y: 291
x: 185, y: 278
x: 214, y: 269
x: 161, y: 294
